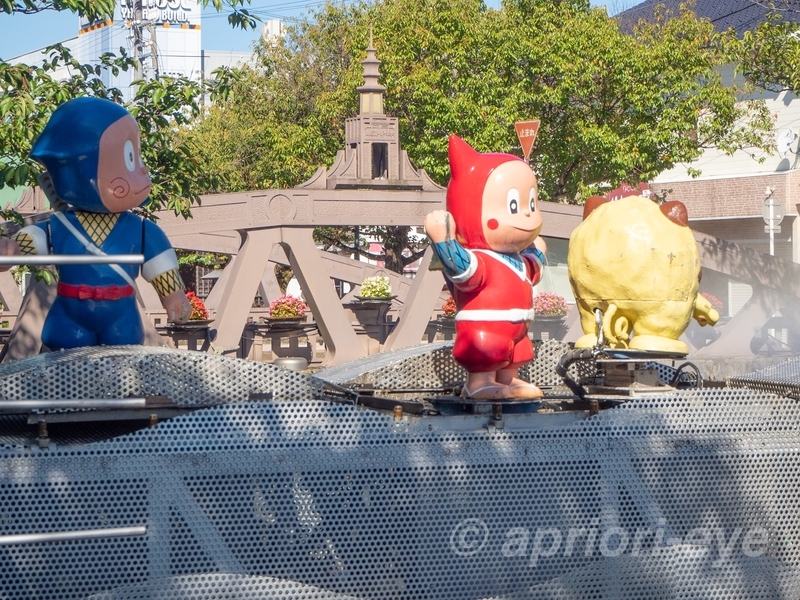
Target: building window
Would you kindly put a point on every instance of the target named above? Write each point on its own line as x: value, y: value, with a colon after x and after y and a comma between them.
x: 203, y: 284
x: 738, y: 295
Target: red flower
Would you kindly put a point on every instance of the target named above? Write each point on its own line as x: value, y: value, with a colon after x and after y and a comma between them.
x: 449, y: 307
x: 199, y: 310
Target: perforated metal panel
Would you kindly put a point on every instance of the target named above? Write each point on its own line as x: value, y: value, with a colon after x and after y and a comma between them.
x: 432, y: 367
x: 302, y: 498
x: 186, y: 378
x: 783, y: 379
x: 542, y: 369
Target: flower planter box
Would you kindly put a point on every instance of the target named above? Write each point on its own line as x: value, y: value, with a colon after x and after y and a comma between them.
x: 373, y: 300
x: 285, y: 322
x: 547, y: 327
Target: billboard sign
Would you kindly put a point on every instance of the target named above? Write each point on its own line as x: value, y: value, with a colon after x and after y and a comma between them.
x: 626, y: 189
x: 166, y: 13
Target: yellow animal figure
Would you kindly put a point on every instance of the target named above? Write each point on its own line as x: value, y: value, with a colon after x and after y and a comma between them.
x: 638, y: 263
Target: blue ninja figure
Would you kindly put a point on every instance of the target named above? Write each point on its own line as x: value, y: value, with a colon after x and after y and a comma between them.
x: 90, y: 148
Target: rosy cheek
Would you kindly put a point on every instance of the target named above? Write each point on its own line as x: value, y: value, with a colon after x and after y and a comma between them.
x: 492, y: 224
x: 120, y: 187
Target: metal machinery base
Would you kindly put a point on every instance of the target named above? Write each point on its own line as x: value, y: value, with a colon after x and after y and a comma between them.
x: 236, y: 479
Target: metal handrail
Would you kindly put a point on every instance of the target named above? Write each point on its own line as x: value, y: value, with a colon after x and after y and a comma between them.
x: 24, y: 405
x: 16, y: 406
x: 65, y: 536
x: 72, y: 259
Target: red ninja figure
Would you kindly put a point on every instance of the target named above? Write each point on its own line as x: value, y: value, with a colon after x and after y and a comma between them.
x: 485, y: 241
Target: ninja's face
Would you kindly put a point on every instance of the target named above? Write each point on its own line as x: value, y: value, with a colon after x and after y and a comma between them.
x: 510, y: 217
x: 122, y: 178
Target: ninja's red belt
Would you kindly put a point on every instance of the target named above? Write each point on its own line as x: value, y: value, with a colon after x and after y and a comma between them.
x: 95, y: 292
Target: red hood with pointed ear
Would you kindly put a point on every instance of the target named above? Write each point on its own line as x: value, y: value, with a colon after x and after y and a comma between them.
x: 469, y: 171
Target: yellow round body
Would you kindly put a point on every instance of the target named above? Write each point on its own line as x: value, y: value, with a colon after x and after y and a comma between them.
x: 640, y: 268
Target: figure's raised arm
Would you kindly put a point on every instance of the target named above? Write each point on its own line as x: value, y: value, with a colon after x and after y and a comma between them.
x: 440, y: 226
x: 458, y: 262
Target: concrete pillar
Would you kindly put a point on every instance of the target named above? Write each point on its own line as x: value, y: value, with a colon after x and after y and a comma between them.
x: 244, y: 279
x: 418, y: 306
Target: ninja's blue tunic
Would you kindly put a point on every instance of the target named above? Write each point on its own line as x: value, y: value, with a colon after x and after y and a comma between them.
x: 74, y: 322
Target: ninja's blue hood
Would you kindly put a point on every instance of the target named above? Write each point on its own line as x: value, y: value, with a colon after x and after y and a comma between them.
x: 69, y: 149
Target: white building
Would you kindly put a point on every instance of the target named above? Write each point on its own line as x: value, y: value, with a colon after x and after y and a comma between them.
x: 166, y: 38
x: 727, y: 199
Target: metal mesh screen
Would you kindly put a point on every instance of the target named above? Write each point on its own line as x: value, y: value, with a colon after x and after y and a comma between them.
x: 187, y: 378
x: 432, y: 367
x: 690, y: 494
x: 420, y: 367
x: 783, y: 379
x: 542, y: 369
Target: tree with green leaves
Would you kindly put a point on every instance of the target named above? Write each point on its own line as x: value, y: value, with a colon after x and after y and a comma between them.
x: 30, y: 93
x: 768, y: 56
x: 284, y: 116
x: 615, y: 107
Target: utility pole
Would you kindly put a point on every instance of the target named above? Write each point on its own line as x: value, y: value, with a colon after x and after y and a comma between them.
x: 151, y: 28
x: 143, y: 49
x: 137, y: 39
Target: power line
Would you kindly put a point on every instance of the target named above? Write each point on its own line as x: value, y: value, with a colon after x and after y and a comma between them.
x: 272, y: 11
x: 735, y: 12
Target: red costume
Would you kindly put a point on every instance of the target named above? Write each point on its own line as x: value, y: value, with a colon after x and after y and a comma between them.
x: 497, y: 337
x: 494, y: 311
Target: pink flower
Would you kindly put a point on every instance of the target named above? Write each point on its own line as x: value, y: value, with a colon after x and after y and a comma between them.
x: 548, y: 304
x: 287, y: 306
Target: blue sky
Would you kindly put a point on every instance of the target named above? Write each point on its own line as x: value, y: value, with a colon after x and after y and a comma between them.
x: 24, y: 33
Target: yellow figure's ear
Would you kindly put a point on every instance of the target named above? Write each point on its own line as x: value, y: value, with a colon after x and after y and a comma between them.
x: 591, y: 203
x: 676, y: 212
